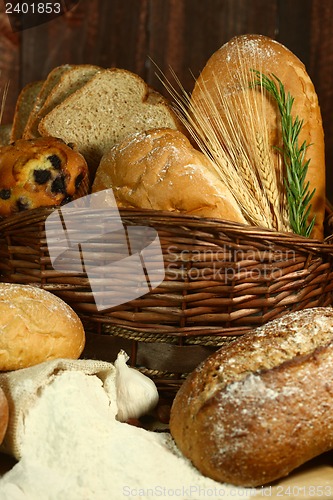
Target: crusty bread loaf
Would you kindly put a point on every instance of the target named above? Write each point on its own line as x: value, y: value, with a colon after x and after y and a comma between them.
x: 52, y: 79
x: 111, y: 105
x: 160, y: 170
x: 261, y: 406
x: 36, y: 326
x: 24, y: 105
x: 40, y: 172
x: 228, y: 73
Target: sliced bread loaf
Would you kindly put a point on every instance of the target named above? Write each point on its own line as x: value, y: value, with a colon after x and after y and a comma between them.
x: 111, y: 105
x: 70, y: 81
x: 31, y: 128
x: 24, y: 105
x: 5, y: 131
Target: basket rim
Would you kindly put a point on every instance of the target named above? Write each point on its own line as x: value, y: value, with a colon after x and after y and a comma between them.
x: 197, y: 223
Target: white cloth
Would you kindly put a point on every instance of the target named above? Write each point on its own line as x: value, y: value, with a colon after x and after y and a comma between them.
x: 23, y: 387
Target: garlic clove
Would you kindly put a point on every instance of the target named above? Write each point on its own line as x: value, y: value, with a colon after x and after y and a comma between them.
x: 136, y: 393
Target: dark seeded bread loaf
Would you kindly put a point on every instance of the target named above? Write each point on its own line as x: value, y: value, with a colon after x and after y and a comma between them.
x: 263, y: 405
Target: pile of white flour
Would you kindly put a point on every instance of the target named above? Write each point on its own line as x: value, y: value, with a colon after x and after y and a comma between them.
x: 74, y: 449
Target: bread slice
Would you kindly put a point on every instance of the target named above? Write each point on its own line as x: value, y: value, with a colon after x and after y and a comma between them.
x: 111, y: 105
x: 70, y: 81
x: 31, y: 130
x: 24, y: 105
x: 5, y: 131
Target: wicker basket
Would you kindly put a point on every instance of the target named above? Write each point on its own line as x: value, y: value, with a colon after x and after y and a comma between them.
x: 221, y: 279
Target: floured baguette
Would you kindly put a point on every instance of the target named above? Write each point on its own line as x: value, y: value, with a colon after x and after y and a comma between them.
x: 247, y: 124
x: 24, y: 105
x: 262, y: 405
x: 111, y: 105
x: 161, y: 170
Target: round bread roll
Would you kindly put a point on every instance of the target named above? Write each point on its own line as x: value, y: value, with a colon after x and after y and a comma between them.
x: 262, y: 405
x: 160, y: 170
x: 4, y: 414
x: 36, y: 326
x: 39, y: 172
x: 228, y: 74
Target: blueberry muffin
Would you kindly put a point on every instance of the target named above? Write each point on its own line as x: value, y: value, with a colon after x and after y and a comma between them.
x: 39, y: 172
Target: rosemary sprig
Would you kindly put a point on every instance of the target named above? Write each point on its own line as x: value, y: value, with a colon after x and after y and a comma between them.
x: 297, y: 189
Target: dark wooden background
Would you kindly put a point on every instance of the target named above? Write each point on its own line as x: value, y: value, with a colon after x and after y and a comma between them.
x: 181, y: 34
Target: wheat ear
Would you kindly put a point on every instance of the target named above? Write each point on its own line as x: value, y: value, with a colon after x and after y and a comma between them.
x: 3, y: 100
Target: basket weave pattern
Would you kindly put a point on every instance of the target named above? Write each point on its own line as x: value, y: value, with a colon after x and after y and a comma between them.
x: 221, y: 278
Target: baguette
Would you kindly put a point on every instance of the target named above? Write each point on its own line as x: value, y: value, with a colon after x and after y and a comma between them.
x: 263, y: 405
x: 227, y: 76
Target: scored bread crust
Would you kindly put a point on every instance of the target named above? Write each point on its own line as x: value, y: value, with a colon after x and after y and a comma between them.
x: 261, y: 406
x: 36, y: 326
x: 161, y: 170
x: 227, y: 67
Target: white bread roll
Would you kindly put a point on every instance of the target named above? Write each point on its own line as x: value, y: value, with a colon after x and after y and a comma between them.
x: 36, y: 326
x: 261, y: 406
x: 225, y: 73
x: 160, y: 170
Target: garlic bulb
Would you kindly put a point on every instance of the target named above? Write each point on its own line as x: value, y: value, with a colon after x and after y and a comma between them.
x: 136, y: 393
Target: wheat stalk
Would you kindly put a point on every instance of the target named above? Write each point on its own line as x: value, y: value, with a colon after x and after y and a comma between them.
x: 213, y: 140
x: 247, y: 157
x: 239, y: 150
x: 266, y: 165
x: 3, y: 100
x: 266, y: 162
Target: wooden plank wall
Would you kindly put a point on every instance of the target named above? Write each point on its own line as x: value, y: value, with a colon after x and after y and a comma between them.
x: 180, y: 34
